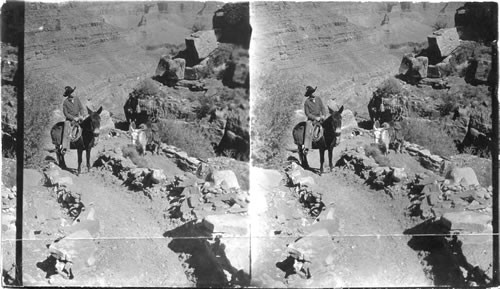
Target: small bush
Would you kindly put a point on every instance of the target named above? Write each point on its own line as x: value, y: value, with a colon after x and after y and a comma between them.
x: 449, y: 104
x: 388, y: 87
x: 147, y: 87
x: 440, y: 24
x: 130, y: 152
x: 198, y: 26
x: 186, y: 137
x: 373, y: 150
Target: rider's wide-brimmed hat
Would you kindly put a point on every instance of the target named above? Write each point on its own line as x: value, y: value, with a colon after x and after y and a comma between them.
x: 310, y: 90
x: 68, y: 90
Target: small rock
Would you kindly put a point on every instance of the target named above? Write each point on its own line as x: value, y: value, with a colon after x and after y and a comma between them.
x: 157, y: 176
x: 398, y: 174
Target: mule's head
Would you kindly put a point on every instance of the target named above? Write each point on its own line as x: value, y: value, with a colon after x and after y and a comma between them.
x: 95, y: 121
x: 379, y: 132
x: 336, y: 120
x: 134, y: 133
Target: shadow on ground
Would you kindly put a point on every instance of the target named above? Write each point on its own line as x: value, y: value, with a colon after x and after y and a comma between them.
x: 442, y: 253
x: 205, y: 256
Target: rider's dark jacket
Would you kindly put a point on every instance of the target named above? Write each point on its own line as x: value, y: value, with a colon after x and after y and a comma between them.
x: 73, y: 109
x: 314, y: 108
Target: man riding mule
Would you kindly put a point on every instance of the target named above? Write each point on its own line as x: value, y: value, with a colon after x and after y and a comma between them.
x: 65, y: 137
x: 315, y: 112
x: 74, y: 111
x: 322, y: 133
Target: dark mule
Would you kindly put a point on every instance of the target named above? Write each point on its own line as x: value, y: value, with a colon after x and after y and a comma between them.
x: 331, y: 137
x: 131, y: 109
x: 90, y: 130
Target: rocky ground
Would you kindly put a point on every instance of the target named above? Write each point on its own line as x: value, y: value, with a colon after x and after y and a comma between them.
x: 110, y: 223
x: 368, y: 221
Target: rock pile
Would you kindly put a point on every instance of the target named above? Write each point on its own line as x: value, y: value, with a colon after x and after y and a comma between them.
x: 376, y: 175
x: 456, y: 196
x: 9, y: 196
x: 449, y: 204
x: 459, y: 198
x: 190, y: 196
x: 305, y: 190
x: 75, y: 248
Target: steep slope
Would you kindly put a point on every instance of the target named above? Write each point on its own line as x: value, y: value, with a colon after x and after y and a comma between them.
x: 104, y: 49
x: 340, y: 47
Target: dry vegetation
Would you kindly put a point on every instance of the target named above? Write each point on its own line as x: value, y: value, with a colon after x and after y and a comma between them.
x: 187, y: 137
x: 40, y: 99
x: 272, y: 115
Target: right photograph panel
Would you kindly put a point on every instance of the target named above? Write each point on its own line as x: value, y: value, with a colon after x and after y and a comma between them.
x: 371, y: 143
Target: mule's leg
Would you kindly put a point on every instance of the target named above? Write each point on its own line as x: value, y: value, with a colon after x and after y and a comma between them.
x: 321, y: 159
x: 80, y: 151
x: 87, y: 155
x: 303, y: 158
x: 60, y: 159
x: 330, y: 155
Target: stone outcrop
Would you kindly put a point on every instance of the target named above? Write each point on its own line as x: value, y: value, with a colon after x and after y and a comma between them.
x: 232, y: 24
x: 170, y: 70
x: 414, y: 67
x: 199, y: 45
x: 477, y: 21
x: 442, y: 43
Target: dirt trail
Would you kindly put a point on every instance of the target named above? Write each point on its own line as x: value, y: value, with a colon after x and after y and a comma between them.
x: 370, y: 249
x: 131, y: 248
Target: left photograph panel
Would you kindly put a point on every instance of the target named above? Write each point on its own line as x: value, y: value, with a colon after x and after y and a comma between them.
x: 136, y: 145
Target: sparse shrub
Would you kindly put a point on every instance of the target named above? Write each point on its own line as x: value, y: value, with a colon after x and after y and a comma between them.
x: 235, y: 97
x: 147, y: 87
x: 373, y: 150
x: 198, y: 26
x: 130, y: 152
x: 449, y: 104
x: 440, y: 24
x: 272, y: 115
x: 431, y: 135
x: 388, y: 87
x: 40, y: 99
x: 186, y: 137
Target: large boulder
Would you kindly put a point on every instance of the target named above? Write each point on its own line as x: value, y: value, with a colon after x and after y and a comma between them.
x: 227, y: 225
x: 55, y: 176
x: 170, y: 70
x: 226, y: 176
x: 442, y: 43
x: 465, y: 176
x: 414, y: 67
x: 469, y: 221
x: 199, y: 45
